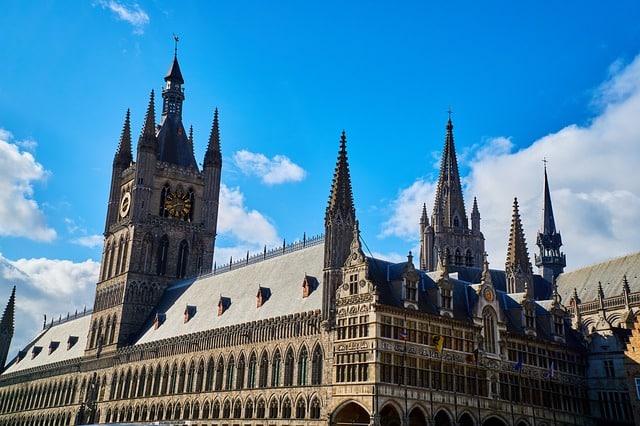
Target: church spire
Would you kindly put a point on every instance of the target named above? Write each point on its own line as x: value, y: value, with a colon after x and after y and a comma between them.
x: 518, y: 265
x: 340, y: 225
x: 448, y: 209
x: 123, y: 155
x: 341, y: 197
x: 550, y: 260
x: 6, y: 328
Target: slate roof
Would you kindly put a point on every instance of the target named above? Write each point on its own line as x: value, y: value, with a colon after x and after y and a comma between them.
x: 76, y: 328
x: 610, y: 273
x: 283, y: 276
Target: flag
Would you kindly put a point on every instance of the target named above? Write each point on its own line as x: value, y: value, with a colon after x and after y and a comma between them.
x: 438, y: 341
x: 550, y: 372
x: 403, y: 334
x: 518, y: 365
x: 473, y: 356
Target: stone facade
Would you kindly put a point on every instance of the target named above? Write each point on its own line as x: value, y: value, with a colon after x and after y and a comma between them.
x: 312, y: 333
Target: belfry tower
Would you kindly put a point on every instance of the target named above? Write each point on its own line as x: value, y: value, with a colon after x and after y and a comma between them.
x: 449, y: 231
x: 161, y: 219
x: 550, y: 260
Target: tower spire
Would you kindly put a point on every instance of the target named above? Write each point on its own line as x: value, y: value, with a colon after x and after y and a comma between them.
x: 213, y: 154
x: 449, y: 231
x: 7, y: 328
x: 123, y: 155
x: 550, y: 260
x: 340, y: 225
x: 518, y: 265
x: 148, y: 135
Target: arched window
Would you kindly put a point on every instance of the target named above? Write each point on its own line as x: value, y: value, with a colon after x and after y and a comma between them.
x: 209, y: 379
x: 303, y: 364
x: 174, y: 377
x: 260, y: 409
x: 248, y: 409
x: 458, y: 258
x: 273, y: 409
x: 489, y: 329
x: 314, y: 411
x: 241, y: 368
x: 124, y: 248
x: 456, y: 221
x: 237, y: 409
x: 191, y: 377
x: 264, y: 366
x: 301, y: 409
x: 226, y: 410
x: 316, y: 366
x: 215, y: 412
x: 166, y: 190
x: 113, y: 330
x: 275, y: 369
x: 181, y: 377
x: 468, y: 258
x: 286, y: 408
x: 200, y: 376
x: 251, y: 373
x: 288, y: 368
x: 165, y: 380
x: 163, y: 254
x: 230, y: 373
x: 219, y: 374
x: 146, y: 253
x: 183, y: 254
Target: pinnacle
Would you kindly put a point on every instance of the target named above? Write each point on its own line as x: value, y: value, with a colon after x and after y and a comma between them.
x: 517, y: 254
x: 213, y: 154
x: 341, y: 197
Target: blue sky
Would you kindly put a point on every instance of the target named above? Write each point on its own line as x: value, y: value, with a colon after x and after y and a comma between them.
x: 525, y: 81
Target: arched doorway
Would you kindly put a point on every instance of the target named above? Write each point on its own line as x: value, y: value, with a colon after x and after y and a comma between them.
x: 389, y: 416
x: 351, y: 414
x: 493, y: 421
x: 442, y: 419
x: 466, y: 420
x: 417, y: 418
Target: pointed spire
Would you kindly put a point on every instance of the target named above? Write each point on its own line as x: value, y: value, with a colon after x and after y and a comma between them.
x: 424, y: 220
x: 6, y: 323
x: 518, y: 265
x: 448, y: 209
x: 123, y: 153
x: 550, y: 260
x: 341, y: 196
x: 190, y: 139
x: 517, y: 253
x: 174, y: 75
x: 148, y: 135
x: 7, y: 328
x: 213, y: 156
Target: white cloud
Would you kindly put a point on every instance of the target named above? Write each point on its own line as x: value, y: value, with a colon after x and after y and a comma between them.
x: 133, y: 14
x: 44, y: 287
x: 279, y: 169
x: 248, y: 229
x: 20, y: 215
x: 90, y: 241
x: 407, y: 208
x: 592, y: 176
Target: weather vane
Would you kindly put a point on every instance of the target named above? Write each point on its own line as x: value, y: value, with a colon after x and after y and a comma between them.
x: 176, y: 39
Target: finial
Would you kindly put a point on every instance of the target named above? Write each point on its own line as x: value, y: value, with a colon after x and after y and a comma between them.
x: 545, y: 161
x: 175, y: 49
x: 449, y: 111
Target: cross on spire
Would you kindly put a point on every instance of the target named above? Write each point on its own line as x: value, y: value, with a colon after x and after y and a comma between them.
x: 449, y: 111
x: 176, y: 40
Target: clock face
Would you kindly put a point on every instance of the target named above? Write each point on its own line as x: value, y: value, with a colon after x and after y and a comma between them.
x: 125, y: 204
x: 178, y: 204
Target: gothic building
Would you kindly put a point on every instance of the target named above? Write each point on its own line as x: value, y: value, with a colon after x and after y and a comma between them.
x: 310, y: 333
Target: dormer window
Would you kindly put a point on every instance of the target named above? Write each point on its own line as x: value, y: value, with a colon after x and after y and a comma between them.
x: 159, y: 320
x: 308, y: 285
x: 72, y: 340
x: 189, y: 312
x: 223, y: 304
x: 263, y: 295
x: 529, y: 318
x: 35, y: 351
x: 411, y: 291
x: 558, y: 325
x: 53, y: 346
x: 446, y: 300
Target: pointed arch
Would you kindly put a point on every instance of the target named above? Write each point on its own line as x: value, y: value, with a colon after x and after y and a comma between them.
x: 240, y: 372
x: 303, y: 366
x: 288, y: 367
x: 183, y: 256
x: 314, y: 408
x: 286, y: 408
x: 301, y: 408
x: 199, y: 376
x: 251, y: 370
x: 276, y: 367
x: 231, y: 365
x: 316, y: 365
x: 263, y: 369
x: 489, y: 330
x: 162, y: 256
